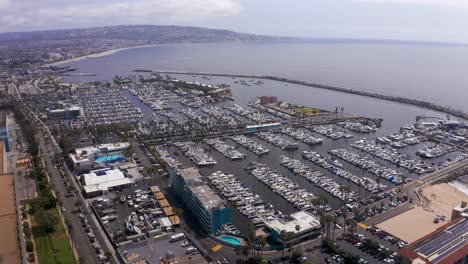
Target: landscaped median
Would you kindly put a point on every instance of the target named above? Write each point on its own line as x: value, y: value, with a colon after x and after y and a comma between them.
x: 51, y: 247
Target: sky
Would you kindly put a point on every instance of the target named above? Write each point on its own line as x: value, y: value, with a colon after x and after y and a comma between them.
x: 426, y: 20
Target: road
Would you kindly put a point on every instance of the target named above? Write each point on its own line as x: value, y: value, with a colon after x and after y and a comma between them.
x: 77, y: 234
x: 79, y: 238
x: 411, y: 189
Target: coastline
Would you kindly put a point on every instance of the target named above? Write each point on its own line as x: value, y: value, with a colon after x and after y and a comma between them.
x: 99, y: 54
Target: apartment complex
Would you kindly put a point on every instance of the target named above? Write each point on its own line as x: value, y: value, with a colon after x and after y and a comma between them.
x: 208, y: 208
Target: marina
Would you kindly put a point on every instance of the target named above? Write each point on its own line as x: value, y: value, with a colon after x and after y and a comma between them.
x: 286, y: 188
x: 375, y: 168
x: 302, y: 135
x: 393, y: 156
x: 248, y: 204
x: 278, y: 141
x: 108, y: 106
x: 317, y: 178
x: 335, y: 167
x: 250, y: 144
x: 227, y: 150
x: 195, y: 153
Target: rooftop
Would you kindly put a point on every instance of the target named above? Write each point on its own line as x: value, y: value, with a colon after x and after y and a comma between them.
x: 305, y: 220
x: 206, y: 195
x: 9, y: 251
x: 71, y: 108
x: 191, y: 176
x: 447, y: 242
x: 102, y: 180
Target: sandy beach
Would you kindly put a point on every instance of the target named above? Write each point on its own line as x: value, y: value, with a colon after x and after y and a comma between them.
x: 98, y: 55
x: 413, y: 224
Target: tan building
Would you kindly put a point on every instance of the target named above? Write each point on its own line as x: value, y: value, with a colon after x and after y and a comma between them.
x: 9, y: 240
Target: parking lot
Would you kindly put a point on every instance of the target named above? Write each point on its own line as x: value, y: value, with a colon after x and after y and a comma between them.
x: 153, y: 249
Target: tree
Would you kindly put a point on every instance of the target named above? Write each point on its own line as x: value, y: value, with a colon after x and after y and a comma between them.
x: 251, y: 236
x: 334, y: 221
x: 46, y: 220
x: 298, y: 228
x: 316, y: 201
x: 344, y: 215
x: 245, y: 251
x: 261, y: 241
x: 178, y: 211
x: 283, y: 235
x: 348, y: 222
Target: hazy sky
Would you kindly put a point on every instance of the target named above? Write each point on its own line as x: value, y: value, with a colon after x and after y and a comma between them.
x: 432, y: 20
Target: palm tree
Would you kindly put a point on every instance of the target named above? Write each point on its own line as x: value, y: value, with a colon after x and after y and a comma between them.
x: 246, y: 252
x: 251, y: 237
x: 344, y: 215
x: 316, y: 202
x: 261, y: 240
x: 298, y: 228
x: 349, y: 222
x: 328, y: 220
x: 283, y: 235
x: 334, y: 221
x: 322, y: 226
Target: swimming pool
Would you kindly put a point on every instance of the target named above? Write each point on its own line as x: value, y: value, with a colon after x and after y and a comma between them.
x: 109, y: 158
x: 231, y: 240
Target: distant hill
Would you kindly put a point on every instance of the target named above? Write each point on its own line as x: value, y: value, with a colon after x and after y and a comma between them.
x: 148, y: 33
x: 19, y: 49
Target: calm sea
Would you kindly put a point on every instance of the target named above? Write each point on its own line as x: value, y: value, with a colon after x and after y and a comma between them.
x: 434, y: 73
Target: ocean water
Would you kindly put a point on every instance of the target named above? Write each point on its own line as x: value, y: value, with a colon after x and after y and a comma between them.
x: 435, y: 73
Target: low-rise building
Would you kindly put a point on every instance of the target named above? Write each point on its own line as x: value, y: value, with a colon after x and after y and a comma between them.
x: 209, y: 209
x: 300, y: 224
x: 71, y: 112
x: 97, y: 182
x: 446, y: 245
x: 85, y: 158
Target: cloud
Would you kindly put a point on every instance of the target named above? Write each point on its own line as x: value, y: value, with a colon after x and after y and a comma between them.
x: 4, y: 4
x: 438, y: 3
x: 50, y: 13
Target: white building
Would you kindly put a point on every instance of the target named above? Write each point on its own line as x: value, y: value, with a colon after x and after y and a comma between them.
x: 99, y: 181
x: 84, y: 158
x: 308, y: 224
x: 65, y: 113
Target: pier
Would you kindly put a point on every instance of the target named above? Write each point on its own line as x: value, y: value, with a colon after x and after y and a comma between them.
x: 398, y: 99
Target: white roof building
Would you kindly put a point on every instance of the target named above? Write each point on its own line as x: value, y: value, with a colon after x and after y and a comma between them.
x: 103, y: 180
x: 306, y: 222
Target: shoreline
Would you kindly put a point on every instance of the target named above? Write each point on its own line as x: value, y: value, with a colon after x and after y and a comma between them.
x: 393, y: 98
x: 99, y: 54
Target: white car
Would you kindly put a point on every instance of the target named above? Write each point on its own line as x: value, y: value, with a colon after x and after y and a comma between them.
x: 186, y: 244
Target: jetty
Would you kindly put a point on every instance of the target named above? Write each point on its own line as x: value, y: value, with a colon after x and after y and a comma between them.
x: 428, y: 105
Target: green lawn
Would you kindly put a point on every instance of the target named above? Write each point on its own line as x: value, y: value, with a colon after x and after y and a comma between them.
x: 307, y: 110
x: 52, y: 248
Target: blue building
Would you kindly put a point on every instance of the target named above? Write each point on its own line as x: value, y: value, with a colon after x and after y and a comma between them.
x: 208, y: 208
x: 4, y: 131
